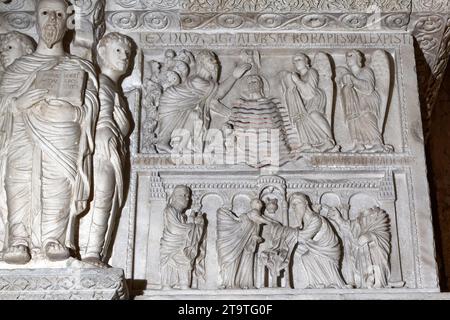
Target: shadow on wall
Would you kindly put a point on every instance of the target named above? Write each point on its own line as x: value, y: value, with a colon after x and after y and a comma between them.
x: 438, y: 157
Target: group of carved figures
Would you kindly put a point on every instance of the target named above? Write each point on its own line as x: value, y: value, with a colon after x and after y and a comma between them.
x: 63, y: 142
x: 184, y: 94
x: 322, y: 242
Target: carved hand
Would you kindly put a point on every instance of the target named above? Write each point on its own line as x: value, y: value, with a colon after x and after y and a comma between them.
x: 80, y: 206
x: 296, y: 78
x: 241, y: 70
x: 199, y: 219
x: 29, y: 99
x: 363, y: 239
x: 102, y: 138
x: 347, y: 79
x: 333, y: 213
x: 60, y: 110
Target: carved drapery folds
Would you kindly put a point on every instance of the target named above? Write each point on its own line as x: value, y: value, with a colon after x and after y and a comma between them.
x: 257, y: 146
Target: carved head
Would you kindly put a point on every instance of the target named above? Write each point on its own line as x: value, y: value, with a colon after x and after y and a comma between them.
x: 301, y: 61
x: 256, y: 204
x: 185, y: 56
x: 54, y: 18
x: 182, y: 69
x: 170, y: 79
x: 254, y: 89
x: 180, y: 198
x: 207, y: 65
x: 255, y: 84
x: 271, y: 205
x: 354, y: 58
x: 114, y: 51
x: 155, y: 67
x: 15, y: 45
x: 299, y: 202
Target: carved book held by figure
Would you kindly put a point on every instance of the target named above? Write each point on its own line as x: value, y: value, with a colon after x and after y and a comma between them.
x: 64, y: 85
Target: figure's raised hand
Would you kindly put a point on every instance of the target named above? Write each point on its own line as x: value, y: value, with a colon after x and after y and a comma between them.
x: 241, y: 70
x: 30, y: 98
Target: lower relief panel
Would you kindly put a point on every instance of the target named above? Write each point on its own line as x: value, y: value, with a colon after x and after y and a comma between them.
x: 303, y: 230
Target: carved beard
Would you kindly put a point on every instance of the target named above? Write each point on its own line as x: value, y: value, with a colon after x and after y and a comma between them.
x: 51, y: 34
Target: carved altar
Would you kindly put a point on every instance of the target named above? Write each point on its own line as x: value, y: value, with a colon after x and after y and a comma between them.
x: 248, y: 105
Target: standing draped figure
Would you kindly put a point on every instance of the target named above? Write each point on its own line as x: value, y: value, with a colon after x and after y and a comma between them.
x: 49, y: 143
x: 318, y: 249
x: 111, y: 151
x: 182, y: 241
x: 237, y: 243
x: 367, y: 242
x: 307, y: 103
x: 195, y: 101
x: 364, y: 109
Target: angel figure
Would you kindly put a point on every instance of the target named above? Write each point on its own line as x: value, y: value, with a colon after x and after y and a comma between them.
x: 364, y: 94
x: 237, y: 242
x: 367, y: 246
x: 308, y: 96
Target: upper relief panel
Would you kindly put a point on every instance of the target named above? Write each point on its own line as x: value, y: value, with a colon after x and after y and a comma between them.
x: 249, y: 93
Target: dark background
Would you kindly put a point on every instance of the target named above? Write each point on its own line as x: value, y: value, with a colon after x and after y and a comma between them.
x: 438, y: 157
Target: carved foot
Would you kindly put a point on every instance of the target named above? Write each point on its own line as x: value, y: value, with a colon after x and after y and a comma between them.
x: 95, y: 262
x: 181, y: 287
x: 163, y: 148
x: 306, y: 147
x: 17, y: 255
x: 357, y: 148
x: 56, y: 251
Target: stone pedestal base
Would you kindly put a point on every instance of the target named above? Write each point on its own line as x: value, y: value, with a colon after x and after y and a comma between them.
x: 292, y: 294
x: 62, y: 284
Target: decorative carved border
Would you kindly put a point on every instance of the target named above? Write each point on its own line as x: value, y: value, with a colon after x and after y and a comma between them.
x: 286, y: 21
x: 292, y: 5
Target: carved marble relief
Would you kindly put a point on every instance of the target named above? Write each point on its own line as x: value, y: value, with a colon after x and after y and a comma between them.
x: 364, y: 93
x: 308, y: 94
x: 182, y: 101
x: 182, y: 243
x: 206, y: 151
x: 323, y: 244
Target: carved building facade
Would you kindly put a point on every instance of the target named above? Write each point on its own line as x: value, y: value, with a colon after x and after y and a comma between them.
x: 270, y: 139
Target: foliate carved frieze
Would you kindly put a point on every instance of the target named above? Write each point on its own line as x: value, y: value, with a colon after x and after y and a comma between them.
x: 431, y: 91
x: 295, y: 21
x: 143, y: 4
x: 428, y: 30
x: 430, y: 5
x: 16, y: 5
x: 16, y: 21
x: 293, y: 5
x: 142, y: 20
x: 55, y: 284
